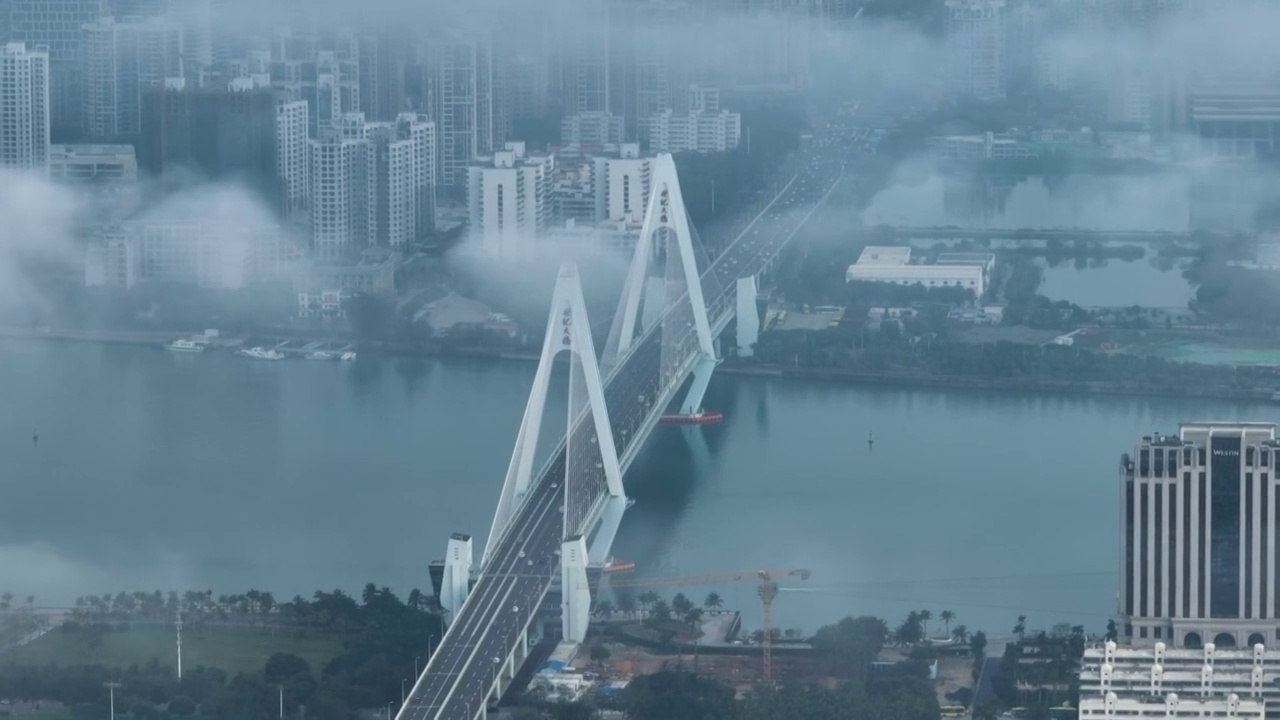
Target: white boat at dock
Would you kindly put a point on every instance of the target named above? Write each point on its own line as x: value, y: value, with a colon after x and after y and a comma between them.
x: 348, y: 356
x: 184, y: 345
x: 259, y: 353
x: 322, y: 355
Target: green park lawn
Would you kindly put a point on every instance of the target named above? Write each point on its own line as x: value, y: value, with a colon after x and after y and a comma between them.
x: 233, y: 649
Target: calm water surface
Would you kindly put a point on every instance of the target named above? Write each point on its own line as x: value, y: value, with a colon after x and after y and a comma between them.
x: 157, y: 470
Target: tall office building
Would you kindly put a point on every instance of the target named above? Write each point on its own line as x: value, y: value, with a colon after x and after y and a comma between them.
x: 1199, y: 561
x: 977, y: 36
x: 343, y: 190
x: 24, y: 107
x: 461, y: 101
x: 293, y: 158
x: 122, y: 60
x: 58, y: 26
x: 225, y: 134
x: 508, y: 199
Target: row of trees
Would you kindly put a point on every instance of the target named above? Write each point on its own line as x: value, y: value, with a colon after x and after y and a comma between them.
x: 383, y: 637
x: 333, y: 611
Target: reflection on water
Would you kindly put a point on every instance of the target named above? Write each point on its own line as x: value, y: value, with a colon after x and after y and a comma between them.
x: 1152, y: 202
x: 1116, y: 283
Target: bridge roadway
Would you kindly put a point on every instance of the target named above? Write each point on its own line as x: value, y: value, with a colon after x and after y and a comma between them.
x: 524, y: 565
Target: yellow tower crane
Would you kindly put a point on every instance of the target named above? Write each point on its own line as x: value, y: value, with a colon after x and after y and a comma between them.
x: 768, y: 590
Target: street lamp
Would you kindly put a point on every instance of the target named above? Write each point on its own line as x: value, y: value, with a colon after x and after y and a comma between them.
x: 402, y: 690
x: 393, y: 702
x: 111, y: 688
x: 416, y: 658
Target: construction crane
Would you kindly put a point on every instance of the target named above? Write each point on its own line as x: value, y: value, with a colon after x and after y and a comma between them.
x: 768, y: 590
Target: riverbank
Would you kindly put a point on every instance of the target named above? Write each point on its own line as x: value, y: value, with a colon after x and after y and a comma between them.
x: 1019, y: 384
x: 849, y: 376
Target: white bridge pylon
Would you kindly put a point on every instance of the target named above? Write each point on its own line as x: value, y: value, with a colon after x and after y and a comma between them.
x: 568, y: 331
x: 666, y: 211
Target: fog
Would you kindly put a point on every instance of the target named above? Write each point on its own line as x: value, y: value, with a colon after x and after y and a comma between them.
x: 38, y: 231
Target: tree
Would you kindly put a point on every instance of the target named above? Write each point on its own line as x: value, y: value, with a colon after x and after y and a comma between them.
x: 692, y: 616
x: 978, y: 644
x: 1021, y: 628
x: 369, y: 594
x: 1113, y: 631
x: 925, y: 616
x: 681, y: 604
x: 599, y: 653
x: 961, y: 633
x: 627, y: 604
x: 647, y: 598
x: 604, y: 609
x: 947, y: 616
x: 284, y: 666
x: 713, y: 601
x: 6, y: 599
x: 660, y: 611
x: 670, y: 695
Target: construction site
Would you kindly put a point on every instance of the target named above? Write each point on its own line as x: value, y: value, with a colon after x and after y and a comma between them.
x: 646, y: 633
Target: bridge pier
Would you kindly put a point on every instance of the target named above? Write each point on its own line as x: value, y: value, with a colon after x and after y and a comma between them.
x: 748, y: 316
x: 610, y: 521
x: 575, y: 595
x: 457, y: 574
x: 702, y: 371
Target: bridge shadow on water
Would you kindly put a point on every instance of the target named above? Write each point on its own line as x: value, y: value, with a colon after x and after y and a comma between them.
x: 664, y: 479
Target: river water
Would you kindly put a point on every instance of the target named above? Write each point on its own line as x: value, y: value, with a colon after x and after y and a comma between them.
x: 160, y: 470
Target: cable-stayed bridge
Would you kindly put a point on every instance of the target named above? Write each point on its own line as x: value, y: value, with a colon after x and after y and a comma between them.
x: 552, y: 523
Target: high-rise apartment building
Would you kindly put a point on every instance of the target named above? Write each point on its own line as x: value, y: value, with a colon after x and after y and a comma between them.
x: 293, y: 158
x: 1199, y: 559
x: 395, y: 194
x: 461, y: 102
x: 343, y: 190
x: 225, y: 134
x: 195, y: 17
x: 977, y: 36
x: 58, y: 26
x: 694, y: 131
x: 421, y: 131
x: 508, y: 198
x: 622, y: 185
x: 122, y: 60
x: 24, y: 107
x: 592, y: 128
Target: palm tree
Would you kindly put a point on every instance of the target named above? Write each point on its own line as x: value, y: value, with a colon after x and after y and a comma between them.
x: 415, y: 599
x: 370, y: 593
x: 713, y: 601
x: 925, y: 616
x: 947, y: 616
x: 1021, y: 628
x: 961, y: 633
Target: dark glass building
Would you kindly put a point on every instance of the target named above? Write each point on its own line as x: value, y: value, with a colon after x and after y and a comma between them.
x: 1198, y: 560
x: 201, y: 135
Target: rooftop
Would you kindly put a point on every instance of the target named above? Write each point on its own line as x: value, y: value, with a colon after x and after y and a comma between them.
x: 966, y: 258
x: 884, y: 255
